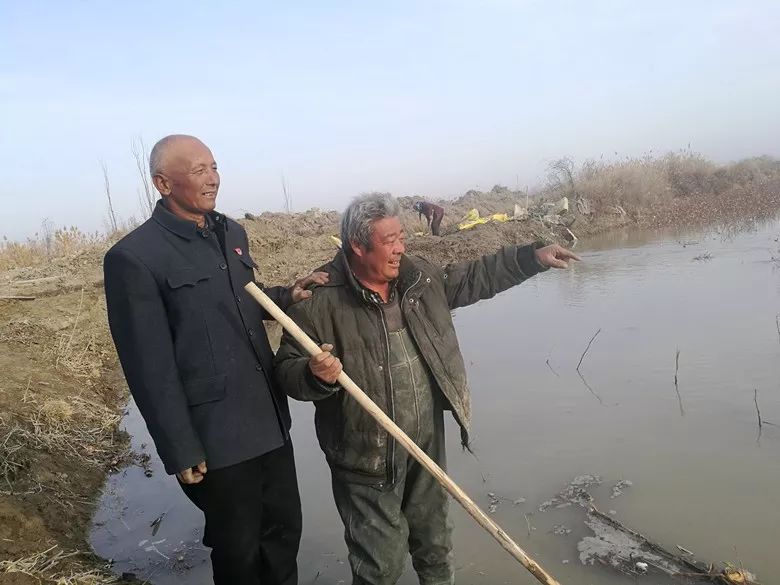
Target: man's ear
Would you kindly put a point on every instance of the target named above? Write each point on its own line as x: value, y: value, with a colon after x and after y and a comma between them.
x: 357, y: 250
x: 162, y: 184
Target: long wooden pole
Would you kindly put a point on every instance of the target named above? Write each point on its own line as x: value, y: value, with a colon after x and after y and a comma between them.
x: 387, y: 423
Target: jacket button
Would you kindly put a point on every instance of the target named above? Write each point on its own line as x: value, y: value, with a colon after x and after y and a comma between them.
x: 381, y: 368
x: 238, y: 299
x: 428, y: 280
x: 223, y: 266
x: 251, y: 332
x: 259, y: 368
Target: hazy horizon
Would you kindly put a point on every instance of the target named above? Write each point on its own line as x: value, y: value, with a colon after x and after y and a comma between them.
x: 428, y: 99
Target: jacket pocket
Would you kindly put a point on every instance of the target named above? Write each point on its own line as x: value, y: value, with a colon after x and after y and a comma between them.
x: 186, y: 277
x: 203, y: 390
x: 427, y: 322
x: 361, y: 454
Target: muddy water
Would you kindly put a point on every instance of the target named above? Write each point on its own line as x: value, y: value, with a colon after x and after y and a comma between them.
x: 702, y: 476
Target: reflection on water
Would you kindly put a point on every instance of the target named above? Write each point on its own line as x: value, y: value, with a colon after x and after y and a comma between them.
x: 700, y: 477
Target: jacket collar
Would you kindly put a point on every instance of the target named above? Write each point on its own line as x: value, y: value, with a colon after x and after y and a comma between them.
x: 181, y: 227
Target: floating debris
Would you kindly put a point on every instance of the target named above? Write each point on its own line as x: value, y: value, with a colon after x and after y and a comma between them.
x: 575, y: 493
x: 155, y: 524
x: 703, y: 257
x: 144, y: 461
x: 617, y: 489
x: 684, y: 550
x: 494, y: 502
x: 617, y: 546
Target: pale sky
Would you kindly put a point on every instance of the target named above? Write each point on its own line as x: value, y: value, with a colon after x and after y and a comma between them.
x: 413, y: 97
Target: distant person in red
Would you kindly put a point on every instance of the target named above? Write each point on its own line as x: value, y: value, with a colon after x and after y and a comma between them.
x: 433, y: 213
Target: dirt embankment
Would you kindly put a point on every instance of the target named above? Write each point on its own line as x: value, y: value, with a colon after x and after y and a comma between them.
x: 61, y: 404
x: 61, y: 394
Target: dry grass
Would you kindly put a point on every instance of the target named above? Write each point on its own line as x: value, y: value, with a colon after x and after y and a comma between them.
x: 76, y: 341
x: 57, y: 566
x: 632, y: 183
x: 21, y: 331
x: 42, y: 247
x: 77, y: 360
x: 676, y: 181
x: 12, y: 457
x: 76, y: 427
x: 85, y: 357
x: 81, y: 352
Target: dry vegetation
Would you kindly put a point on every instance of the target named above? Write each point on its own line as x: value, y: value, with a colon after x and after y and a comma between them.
x: 55, y: 566
x: 61, y: 395
x: 680, y: 187
x: 61, y: 406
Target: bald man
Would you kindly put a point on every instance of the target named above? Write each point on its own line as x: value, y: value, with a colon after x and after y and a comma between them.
x: 199, y: 366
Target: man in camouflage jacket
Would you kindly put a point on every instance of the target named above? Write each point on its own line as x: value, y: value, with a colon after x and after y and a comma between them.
x: 387, y: 318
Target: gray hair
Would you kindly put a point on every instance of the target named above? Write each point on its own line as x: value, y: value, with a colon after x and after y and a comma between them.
x: 160, y: 150
x: 357, y: 221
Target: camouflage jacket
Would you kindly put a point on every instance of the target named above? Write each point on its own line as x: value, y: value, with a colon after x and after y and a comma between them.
x: 339, y: 314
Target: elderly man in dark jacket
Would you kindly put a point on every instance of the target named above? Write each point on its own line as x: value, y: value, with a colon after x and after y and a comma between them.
x: 387, y: 318
x: 198, y: 363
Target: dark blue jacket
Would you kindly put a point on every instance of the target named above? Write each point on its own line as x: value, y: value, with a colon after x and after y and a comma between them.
x: 192, y: 343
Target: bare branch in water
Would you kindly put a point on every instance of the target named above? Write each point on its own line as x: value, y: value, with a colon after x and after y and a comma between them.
x: 777, y: 322
x: 758, y: 414
x: 676, y: 388
x: 676, y: 366
x: 587, y: 348
x: 584, y: 381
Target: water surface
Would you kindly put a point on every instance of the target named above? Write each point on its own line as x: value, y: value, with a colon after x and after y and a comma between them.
x: 702, y: 476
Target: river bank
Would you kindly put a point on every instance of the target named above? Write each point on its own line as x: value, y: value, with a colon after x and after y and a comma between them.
x: 62, y: 395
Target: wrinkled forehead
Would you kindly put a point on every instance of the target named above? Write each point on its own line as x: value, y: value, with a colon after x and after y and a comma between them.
x: 387, y: 227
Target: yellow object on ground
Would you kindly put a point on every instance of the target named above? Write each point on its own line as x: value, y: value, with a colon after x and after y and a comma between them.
x: 467, y: 225
x: 336, y: 241
x: 472, y: 215
x: 472, y: 218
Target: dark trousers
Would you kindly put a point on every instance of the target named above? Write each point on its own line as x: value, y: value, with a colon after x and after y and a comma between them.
x: 438, y: 214
x: 382, y: 527
x: 253, y: 519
